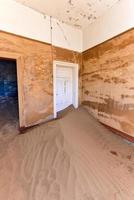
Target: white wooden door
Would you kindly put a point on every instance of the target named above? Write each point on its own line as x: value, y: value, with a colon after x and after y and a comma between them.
x: 63, y: 87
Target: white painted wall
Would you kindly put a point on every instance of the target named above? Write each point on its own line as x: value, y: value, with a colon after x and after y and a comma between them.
x: 115, y: 21
x: 67, y: 35
x: 21, y: 20
x: 18, y: 19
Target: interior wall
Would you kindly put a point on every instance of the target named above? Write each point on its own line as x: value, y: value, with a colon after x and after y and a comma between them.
x: 21, y: 20
x: 115, y: 20
x: 36, y: 74
x: 108, y: 82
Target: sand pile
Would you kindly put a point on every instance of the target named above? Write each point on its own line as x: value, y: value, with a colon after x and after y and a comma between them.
x: 65, y: 112
x: 8, y: 120
x: 73, y: 158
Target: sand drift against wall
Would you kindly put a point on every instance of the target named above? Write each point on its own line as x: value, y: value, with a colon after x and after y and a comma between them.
x: 73, y: 158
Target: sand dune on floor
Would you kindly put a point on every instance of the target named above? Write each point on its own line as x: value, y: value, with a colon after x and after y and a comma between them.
x: 72, y: 158
x: 9, y: 119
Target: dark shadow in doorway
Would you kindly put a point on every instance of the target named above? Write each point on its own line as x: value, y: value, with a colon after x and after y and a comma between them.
x: 9, y: 117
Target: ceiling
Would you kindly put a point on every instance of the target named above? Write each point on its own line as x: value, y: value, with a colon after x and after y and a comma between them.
x: 79, y: 13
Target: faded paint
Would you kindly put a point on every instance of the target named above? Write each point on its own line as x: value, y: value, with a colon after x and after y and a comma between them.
x: 106, y: 78
x: 36, y: 74
x: 77, y: 13
x: 108, y: 82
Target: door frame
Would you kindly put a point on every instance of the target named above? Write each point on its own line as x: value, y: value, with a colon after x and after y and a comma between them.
x: 19, y: 66
x: 75, y: 68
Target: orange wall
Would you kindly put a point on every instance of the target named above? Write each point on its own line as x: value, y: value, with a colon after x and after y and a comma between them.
x: 108, y: 82
x: 35, y: 75
x: 106, y: 79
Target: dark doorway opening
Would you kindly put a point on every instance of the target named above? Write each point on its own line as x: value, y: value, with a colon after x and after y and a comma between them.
x: 9, y: 117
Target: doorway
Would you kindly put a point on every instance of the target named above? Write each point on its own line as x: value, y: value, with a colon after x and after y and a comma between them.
x: 65, y: 85
x: 9, y: 114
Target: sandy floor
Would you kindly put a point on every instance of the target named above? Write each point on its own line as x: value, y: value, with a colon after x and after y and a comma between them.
x: 73, y: 158
x: 9, y: 119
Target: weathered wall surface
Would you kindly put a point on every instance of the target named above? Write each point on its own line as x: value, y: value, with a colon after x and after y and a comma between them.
x: 36, y: 74
x: 108, y: 82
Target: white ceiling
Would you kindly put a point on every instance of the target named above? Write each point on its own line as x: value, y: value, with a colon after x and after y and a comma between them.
x: 79, y: 13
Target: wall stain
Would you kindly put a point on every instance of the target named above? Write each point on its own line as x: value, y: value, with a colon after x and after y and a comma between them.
x: 117, y: 80
x: 114, y: 153
x: 97, y: 76
x: 108, y: 75
x: 131, y: 88
x: 37, y: 74
x: 87, y: 92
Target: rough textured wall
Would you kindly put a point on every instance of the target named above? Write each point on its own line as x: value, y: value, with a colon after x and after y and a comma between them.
x: 36, y: 74
x: 108, y: 82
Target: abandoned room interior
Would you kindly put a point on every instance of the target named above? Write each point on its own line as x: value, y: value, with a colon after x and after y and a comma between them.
x: 66, y: 100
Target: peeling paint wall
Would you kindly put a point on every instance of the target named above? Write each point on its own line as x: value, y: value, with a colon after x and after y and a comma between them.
x: 77, y: 13
x: 108, y: 82
x: 36, y: 74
